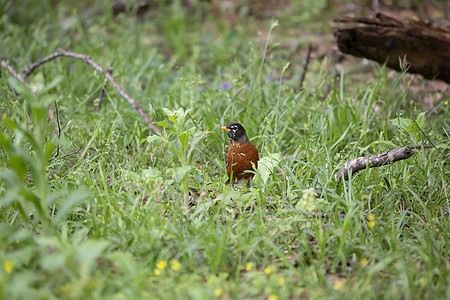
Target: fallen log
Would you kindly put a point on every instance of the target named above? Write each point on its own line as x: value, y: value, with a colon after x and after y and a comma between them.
x: 387, y: 40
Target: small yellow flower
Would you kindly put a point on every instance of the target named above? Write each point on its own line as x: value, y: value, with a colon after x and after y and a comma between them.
x: 371, y: 219
x: 280, y: 281
x: 176, y: 265
x: 338, y: 285
x: 248, y: 266
x: 446, y: 103
x: 272, y: 297
x: 162, y: 264
x: 157, y: 272
x: 8, y: 266
x: 363, y: 262
x: 422, y: 281
x: 4, y: 116
x: 268, y: 270
x: 217, y: 292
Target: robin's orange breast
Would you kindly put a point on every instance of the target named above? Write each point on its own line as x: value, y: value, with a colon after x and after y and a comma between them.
x: 241, y: 157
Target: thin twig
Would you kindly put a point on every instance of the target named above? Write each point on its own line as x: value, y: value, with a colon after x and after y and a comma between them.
x: 68, y: 154
x: 378, y: 160
x: 89, y: 61
x: 60, y: 129
x: 444, y: 156
x: 19, y: 77
x: 58, y: 133
x: 305, y: 65
x: 102, y: 92
x: 14, y: 73
x: 29, y: 69
x: 71, y: 153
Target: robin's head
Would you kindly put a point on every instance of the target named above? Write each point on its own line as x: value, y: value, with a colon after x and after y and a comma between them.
x: 236, y: 132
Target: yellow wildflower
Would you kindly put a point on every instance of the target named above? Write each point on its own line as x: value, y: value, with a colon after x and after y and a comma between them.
x: 363, y: 262
x: 280, y: 281
x: 8, y: 266
x: 248, y: 266
x: 338, y: 285
x: 446, y: 103
x: 422, y: 281
x: 162, y: 264
x: 268, y: 270
x: 4, y: 116
x: 371, y: 219
x: 272, y: 297
x: 217, y: 292
x: 176, y: 265
x: 157, y: 272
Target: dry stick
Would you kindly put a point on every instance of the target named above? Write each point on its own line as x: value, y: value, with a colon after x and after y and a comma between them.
x: 14, y: 73
x: 58, y: 133
x: 378, y: 160
x: 19, y: 77
x: 60, y: 129
x: 89, y: 61
x: 71, y: 153
x: 102, y: 92
x: 305, y: 66
x: 29, y: 69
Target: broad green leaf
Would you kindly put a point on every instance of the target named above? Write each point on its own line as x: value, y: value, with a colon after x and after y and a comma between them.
x: 184, y: 137
x: 421, y: 119
x: 197, y: 137
x: 267, y: 165
x: 151, y: 173
x: 402, y: 123
x: 152, y: 138
x: 179, y: 173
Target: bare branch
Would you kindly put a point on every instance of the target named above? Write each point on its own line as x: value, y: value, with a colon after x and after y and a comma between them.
x: 14, y: 73
x: 378, y: 160
x: 89, y: 61
x: 29, y: 69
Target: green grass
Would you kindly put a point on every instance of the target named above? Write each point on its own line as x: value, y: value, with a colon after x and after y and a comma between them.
x: 98, y: 223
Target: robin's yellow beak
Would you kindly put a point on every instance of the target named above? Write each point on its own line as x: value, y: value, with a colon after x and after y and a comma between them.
x: 224, y: 128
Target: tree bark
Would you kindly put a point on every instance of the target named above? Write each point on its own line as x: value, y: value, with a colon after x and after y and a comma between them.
x: 387, y: 40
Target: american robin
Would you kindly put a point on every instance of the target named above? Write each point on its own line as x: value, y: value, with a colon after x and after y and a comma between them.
x: 242, y: 156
